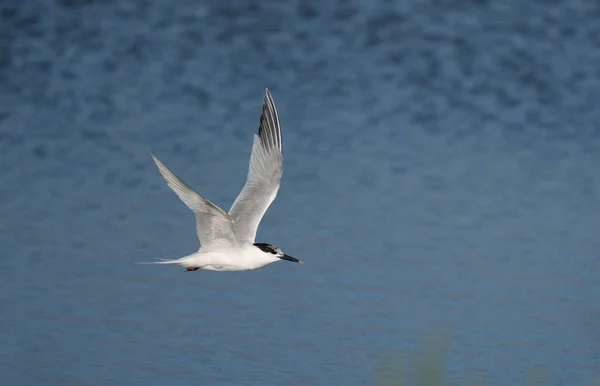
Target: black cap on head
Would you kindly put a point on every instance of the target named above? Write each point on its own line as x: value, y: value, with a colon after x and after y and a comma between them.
x: 276, y: 251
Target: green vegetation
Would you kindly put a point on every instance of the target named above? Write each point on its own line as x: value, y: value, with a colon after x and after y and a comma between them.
x: 429, y: 370
x: 429, y: 367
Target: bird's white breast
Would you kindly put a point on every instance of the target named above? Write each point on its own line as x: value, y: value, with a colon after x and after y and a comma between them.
x: 247, y: 257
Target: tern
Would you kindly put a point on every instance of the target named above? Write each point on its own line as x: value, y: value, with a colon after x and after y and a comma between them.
x: 227, y: 240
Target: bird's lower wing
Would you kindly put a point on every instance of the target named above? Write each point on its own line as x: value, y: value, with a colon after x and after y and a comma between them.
x: 213, y: 225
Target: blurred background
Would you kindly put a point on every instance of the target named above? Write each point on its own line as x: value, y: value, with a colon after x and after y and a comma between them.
x: 441, y: 178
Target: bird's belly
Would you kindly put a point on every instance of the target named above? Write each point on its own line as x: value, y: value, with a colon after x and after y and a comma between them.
x: 221, y: 267
x: 228, y: 260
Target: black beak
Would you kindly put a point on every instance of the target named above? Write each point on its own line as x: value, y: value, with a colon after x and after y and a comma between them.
x: 290, y: 258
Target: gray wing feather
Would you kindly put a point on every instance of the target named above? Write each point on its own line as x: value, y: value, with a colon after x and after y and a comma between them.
x: 213, y: 225
x: 264, y: 175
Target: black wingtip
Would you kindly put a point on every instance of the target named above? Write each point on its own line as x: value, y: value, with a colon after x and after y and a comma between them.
x: 269, y: 130
x: 268, y: 99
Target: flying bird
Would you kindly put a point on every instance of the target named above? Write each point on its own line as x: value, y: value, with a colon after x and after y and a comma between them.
x: 227, y: 239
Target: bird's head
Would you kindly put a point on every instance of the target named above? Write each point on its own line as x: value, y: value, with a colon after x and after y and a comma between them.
x: 268, y: 248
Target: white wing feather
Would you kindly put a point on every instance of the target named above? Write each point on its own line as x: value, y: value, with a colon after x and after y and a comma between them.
x: 264, y: 175
x: 213, y: 225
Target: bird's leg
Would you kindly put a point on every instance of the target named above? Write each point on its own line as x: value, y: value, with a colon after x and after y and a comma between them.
x: 192, y: 269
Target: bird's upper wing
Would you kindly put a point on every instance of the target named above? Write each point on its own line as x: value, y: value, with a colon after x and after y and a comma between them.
x: 264, y: 174
x: 213, y: 225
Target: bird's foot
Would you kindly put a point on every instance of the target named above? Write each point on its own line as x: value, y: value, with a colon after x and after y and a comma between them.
x: 192, y: 269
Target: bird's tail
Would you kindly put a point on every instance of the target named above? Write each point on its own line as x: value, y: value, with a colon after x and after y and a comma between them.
x: 162, y: 261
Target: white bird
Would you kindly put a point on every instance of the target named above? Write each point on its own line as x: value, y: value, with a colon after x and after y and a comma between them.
x: 227, y: 240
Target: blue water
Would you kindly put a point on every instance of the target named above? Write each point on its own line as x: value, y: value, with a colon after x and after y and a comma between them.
x: 441, y: 177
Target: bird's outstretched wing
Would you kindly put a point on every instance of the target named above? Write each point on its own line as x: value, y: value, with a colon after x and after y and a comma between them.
x: 264, y: 174
x: 213, y: 225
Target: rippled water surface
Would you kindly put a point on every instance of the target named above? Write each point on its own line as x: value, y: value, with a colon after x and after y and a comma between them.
x: 441, y: 176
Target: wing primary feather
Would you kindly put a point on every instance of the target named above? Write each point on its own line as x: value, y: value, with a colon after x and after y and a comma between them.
x: 213, y: 225
x: 264, y: 174
x: 269, y: 129
x: 275, y: 119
